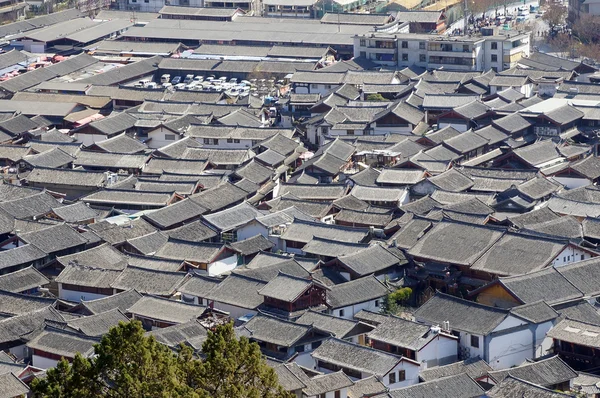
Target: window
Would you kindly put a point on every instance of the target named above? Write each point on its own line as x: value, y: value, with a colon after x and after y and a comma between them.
x: 404, y: 57
x: 422, y: 58
x: 169, y: 137
x: 323, y: 395
x: 421, y: 45
x: 324, y: 130
x: 401, y: 375
x: 328, y: 86
x: 404, y: 44
x: 207, y: 141
x: 376, y: 303
x: 236, y: 141
x: 494, y: 45
x: 146, y: 1
x: 350, y: 132
x: 363, y: 43
x: 299, y: 348
x: 363, y: 54
x: 215, y: 141
x: 230, y: 140
x: 314, y: 86
x: 392, y: 378
x: 337, y: 394
x: 494, y: 58
x: 465, y: 48
x: 582, y: 257
x: 341, y: 312
x: 475, y: 341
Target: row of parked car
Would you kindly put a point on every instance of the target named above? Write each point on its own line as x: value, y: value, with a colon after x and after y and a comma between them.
x: 200, y: 83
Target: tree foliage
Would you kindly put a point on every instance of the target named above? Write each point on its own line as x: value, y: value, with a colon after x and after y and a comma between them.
x: 392, y: 302
x: 376, y: 97
x: 129, y: 364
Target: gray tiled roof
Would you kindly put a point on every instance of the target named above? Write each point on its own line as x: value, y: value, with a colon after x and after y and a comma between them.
x: 62, y: 343
x: 513, y: 387
x: 79, y: 275
x: 274, y: 330
x: 547, y: 284
x: 230, y: 218
x: 304, y: 231
x: 191, y: 333
x: 17, y: 304
x: 176, y: 213
x: 516, y: 254
x: 354, y: 356
x: 149, y: 281
x: 356, y: 291
x: 339, y: 327
x: 370, y: 260
x: 285, y: 287
x: 55, y: 238
x: 460, y: 385
x: 99, y: 324
x: 12, y: 386
x: 474, y: 367
x: 22, y: 280
x: 239, y: 291
x: 454, y: 242
x: 121, y: 301
x: 401, y: 333
x: 102, y: 256
x: 546, y: 372
x: 165, y: 310
x: 35, y: 205
x: 464, y: 316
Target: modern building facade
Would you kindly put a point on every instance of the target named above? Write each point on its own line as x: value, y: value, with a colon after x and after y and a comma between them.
x: 461, y: 53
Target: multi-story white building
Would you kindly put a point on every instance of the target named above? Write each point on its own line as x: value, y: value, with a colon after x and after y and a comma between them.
x: 497, y: 51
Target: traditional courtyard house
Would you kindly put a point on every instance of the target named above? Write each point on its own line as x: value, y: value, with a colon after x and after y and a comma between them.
x: 156, y: 312
x: 78, y: 282
x: 469, y: 116
x: 578, y: 174
x: 552, y: 373
x: 384, y: 263
x: 284, y: 340
x: 484, y: 331
x: 50, y: 345
x: 460, y: 385
x: 226, y: 222
x: 238, y: 295
x: 25, y: 281
x: 301, y: 232
x: 576, y: 343
x: 430, y: 346
x: 347, y: 299
x: 287, y: 296
x: 360, y: 362
x: 211, y: 258
x: 446, y: 260
x: 120, y: 301
x: 344, y: 329
x: 196, y: 289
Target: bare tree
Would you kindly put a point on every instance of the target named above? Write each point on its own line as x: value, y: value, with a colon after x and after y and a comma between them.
x: 587, y: 28
x: 555, y: 14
